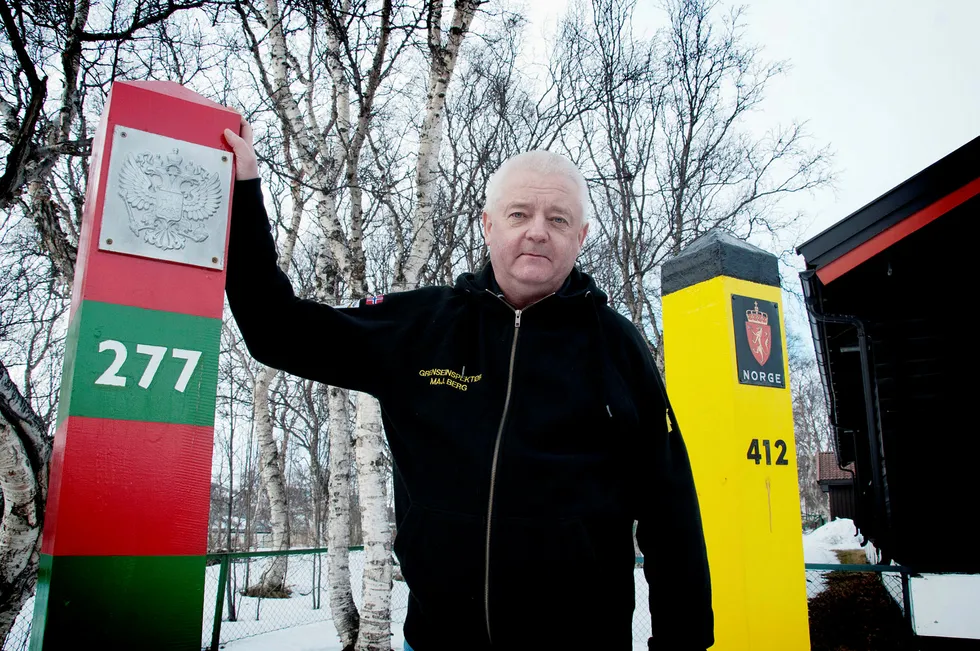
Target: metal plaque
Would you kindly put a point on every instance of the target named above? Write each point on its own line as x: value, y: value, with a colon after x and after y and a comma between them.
x: 166, y: 199
x: 758, y: 342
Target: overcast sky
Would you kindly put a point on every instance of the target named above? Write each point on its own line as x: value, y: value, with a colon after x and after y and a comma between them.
x: 891, y: 85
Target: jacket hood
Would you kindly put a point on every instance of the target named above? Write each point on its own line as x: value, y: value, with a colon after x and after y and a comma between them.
x: 578, y: 283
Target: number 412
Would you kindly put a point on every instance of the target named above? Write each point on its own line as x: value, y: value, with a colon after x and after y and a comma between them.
x: 755, y: 455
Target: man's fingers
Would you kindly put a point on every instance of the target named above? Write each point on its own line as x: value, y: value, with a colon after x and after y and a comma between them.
x: 246, y: 166
x: 238, y: 145
x: 231, y: 138
x: 247, y: 132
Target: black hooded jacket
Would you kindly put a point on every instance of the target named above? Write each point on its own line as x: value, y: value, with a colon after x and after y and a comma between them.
x: 525, y: 442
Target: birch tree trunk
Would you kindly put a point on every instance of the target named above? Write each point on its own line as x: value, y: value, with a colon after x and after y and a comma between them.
x: 271, y: 462
x: 441, y: 65
x: 275, y: 80
x: 345, y: 615
x: 273, y: 581
x: 375, y: 630
x: 333, y: 249
x: 20, y: 534
x: 45, y: 211
x: 374, y: 624
x: 25, y: 450
x: 342, y: 608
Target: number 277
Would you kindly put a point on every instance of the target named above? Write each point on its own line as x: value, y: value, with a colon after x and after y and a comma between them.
x: 111, y: 377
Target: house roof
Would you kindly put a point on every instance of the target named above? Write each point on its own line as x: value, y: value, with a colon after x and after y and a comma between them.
x: 829, y: 470
x: 909, y: 206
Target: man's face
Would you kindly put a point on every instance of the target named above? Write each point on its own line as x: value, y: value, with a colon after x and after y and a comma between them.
x: 534, y: 233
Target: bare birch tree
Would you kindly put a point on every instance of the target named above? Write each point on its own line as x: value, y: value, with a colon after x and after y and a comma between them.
x: 442, y: 62
x: 713, y: 173
x: 272, y: 459
x: 273, y: 64
x: 329, y: 167
x: 374, y: 621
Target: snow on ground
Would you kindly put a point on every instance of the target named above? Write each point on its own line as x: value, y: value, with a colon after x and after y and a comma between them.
x: 322, y: 636
x: 305, y: 574
x: 943, y: 605
x: 293, y: 625
x: 819, y: 546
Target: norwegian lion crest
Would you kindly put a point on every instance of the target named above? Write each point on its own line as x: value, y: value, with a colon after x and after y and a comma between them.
x: 169, y: 200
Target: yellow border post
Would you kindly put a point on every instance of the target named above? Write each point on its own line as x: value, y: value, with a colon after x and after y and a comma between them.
x: 735, y: 411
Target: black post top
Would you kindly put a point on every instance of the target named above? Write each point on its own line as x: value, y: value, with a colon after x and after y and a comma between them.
x: 718, y: 253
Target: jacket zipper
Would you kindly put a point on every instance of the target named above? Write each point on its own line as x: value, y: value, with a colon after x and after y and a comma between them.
x: 496, y: 450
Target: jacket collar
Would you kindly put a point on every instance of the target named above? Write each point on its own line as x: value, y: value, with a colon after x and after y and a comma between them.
x: 578, y: 283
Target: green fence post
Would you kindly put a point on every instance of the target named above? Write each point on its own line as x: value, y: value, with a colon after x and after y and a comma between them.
x: 219, y: 603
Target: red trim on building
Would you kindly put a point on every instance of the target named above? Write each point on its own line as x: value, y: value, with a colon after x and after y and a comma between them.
x: 837, y: 268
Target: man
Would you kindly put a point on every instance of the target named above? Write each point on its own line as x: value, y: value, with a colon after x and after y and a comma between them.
x: 528, y: 425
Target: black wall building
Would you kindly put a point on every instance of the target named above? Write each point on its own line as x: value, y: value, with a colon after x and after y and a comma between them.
x: 892, y: 303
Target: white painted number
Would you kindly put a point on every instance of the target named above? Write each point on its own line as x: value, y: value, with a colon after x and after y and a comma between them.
x: 109, y: 377
x: 190, y: 358
x: 156, y: 354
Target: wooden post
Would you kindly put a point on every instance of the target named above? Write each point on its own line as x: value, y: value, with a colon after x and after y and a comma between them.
x: 726, y: 371
x: 125, y: 532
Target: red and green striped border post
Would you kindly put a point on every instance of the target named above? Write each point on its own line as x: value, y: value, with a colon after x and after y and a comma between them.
x: 125, y: 532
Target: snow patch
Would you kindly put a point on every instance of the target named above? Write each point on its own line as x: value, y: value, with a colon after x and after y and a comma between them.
x: 819, y: 545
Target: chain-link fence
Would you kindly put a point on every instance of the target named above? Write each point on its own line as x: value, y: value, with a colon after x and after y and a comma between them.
x: 230, y: 575
x: 859, y: 607
x: 19, y: 637
x: 850, y: 606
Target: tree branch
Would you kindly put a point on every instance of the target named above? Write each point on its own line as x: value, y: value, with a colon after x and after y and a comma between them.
x: 140, y: 23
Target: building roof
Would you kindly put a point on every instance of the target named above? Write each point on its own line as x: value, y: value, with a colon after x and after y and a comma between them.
x: 926, y: 196
x: 829, y: 470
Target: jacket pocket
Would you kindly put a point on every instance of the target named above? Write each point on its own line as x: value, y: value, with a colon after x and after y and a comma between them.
x: 542, y: 573
x: 537, y: 560
x: 441, y: 560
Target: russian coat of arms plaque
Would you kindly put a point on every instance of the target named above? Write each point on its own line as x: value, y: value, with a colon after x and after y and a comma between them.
x: 166, y: 199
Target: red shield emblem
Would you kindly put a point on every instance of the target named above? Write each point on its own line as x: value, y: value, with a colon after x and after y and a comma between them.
x: 760, y: 334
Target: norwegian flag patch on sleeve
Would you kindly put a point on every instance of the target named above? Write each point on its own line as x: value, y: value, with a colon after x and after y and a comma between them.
x: 374, y: 300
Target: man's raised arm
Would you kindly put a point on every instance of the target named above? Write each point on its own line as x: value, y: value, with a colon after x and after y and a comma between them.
x: 297, y: 335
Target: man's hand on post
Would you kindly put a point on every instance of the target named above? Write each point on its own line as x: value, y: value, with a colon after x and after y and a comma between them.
x: 246, y: 164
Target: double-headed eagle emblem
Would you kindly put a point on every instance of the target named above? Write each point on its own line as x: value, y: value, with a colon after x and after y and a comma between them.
x: 169, y: 200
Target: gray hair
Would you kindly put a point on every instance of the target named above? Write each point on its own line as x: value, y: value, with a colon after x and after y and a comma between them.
x: 543, y: 162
